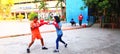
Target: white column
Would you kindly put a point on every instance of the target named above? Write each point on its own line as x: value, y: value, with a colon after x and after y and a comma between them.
x: 26, y: 18
x: 39, y: 15
x: 15, y: 15
x: 26, y: 15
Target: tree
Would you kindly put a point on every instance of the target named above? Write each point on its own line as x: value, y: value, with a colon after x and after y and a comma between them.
x: 115, y: 6
x: 20, y: 16
x: 43, y: 5
x: 32, y: 15
x: 100, y: 6
x: 107, y: 8
x: 63, y: 12
x: 5, y: 7
x: 1, y: 10
x: 103, y: 5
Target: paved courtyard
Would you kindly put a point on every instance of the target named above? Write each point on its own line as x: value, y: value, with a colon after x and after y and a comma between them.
x: 91, y: 40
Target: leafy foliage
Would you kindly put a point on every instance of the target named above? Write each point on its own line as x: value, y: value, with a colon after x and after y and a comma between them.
x: 110, y: 9
x: 43, y: 5
x: 103, y: 5
x: 32, y: 15
x: 60, y: 2
x: 5, y: 7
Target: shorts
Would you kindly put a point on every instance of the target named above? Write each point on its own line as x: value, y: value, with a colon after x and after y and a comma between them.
x: 38, y: 36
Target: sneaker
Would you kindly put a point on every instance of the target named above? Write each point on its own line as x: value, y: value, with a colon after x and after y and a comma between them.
x: 28, y: 50
x: 44, y: 48
x: 56, y: 51
x: 65, y: 45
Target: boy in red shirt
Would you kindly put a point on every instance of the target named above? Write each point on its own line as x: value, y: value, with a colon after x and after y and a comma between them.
x: 34, y: 26
x: 80, y: 19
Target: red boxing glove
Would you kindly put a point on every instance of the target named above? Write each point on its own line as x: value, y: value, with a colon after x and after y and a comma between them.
x: 41, y: 20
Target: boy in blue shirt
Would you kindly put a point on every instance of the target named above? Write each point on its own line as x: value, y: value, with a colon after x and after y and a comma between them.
x: 72, y: 22
x: 58, y: 26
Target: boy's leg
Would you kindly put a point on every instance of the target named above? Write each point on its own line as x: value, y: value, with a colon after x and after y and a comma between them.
x: 41, y: 39
x: 63, y: 42
x: 57, y: 44
x: 42, y: 42
x: 79, y: 22
x: 30, y: 44
x: 75, y: 23
x: 28, y: 49
x: 32, y: 41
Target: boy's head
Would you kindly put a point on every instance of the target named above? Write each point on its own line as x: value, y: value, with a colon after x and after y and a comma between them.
x: 72, y: 19
x: 57, y: 19
x: 35, y: 19
x: 80, y: 14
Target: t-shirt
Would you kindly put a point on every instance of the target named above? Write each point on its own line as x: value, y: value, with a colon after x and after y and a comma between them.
x: 59, y: 31
x: 80, y: 17
x: 35, y: 26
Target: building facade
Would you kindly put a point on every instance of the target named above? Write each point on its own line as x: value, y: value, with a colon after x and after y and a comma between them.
x: 26, y: 8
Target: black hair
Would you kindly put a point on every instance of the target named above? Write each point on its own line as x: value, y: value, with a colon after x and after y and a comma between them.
x: 57, y: 19
x: 72, y: 19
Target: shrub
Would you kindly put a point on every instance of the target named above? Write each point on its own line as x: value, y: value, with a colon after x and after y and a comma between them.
x: 32, y: 15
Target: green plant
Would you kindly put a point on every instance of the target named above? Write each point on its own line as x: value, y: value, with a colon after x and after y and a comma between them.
x: 32, y: 15
x: 43, y: 5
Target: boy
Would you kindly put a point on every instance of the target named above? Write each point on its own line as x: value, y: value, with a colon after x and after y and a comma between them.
x: 36, y: 33
x: 80, y: 18
x: 58, y: 26
x: 72, y: 22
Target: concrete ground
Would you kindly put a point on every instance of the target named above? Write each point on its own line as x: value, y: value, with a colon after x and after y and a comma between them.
x: 92, y: 40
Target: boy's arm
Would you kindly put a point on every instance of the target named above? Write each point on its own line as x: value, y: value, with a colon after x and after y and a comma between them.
x: 42, y: 23
x: 33, y: 26
x: 56, y: 25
